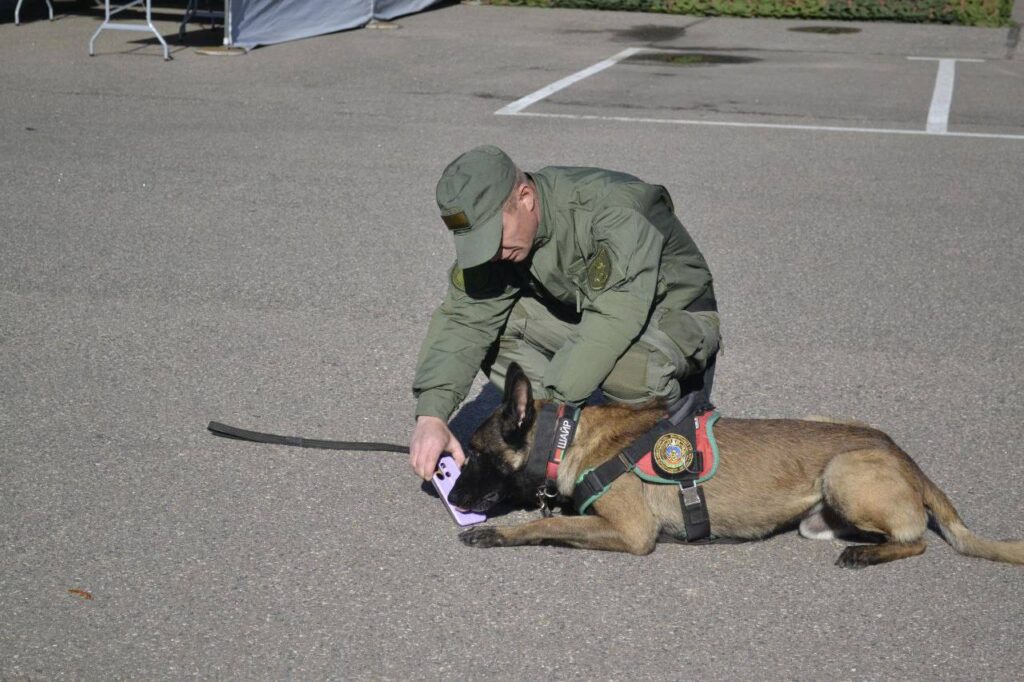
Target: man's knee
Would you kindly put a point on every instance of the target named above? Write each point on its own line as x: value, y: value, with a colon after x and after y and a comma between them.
x: 696, y: 337
x: 515, y: 346
x: 642, y: 374
x: 510, y: 349
x: 672, y: 357
x: 532, y: 335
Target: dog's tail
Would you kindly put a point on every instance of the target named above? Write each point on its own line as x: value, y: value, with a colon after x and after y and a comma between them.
x: 960, y: 537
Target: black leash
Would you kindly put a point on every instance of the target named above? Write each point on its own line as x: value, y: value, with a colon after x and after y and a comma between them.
x: 225, y: 431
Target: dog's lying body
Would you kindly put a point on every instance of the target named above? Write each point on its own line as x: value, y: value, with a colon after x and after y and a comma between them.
x: 771, y: 474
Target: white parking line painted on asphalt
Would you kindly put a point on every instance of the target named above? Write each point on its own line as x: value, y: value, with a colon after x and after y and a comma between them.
x: 774, y: 126
x: 942, y: 97
x: 524, y: 102
x: 938, y: 115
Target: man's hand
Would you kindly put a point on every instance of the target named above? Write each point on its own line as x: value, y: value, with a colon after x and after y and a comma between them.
x: 430, y: 438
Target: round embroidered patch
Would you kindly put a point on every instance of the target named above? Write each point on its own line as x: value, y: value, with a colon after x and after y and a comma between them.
x: 458, y: 279
x: 599, y: 269
x: 673, y: 453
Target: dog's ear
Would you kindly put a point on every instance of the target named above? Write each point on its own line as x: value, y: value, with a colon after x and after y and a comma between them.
x: 517, y: 413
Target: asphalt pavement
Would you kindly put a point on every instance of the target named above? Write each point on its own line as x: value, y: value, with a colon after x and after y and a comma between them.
x: 254, y: 240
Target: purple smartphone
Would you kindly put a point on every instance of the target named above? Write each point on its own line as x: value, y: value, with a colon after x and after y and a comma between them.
x: 444, y: 480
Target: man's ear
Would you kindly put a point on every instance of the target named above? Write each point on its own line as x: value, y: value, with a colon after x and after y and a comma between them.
x: 517, y: 413
x: 528, y: 196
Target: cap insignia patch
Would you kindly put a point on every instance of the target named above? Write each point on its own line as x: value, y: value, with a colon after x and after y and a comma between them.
x: 455, y: 220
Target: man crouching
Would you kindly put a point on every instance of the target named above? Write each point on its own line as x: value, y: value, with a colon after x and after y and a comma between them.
x: 584, y: 277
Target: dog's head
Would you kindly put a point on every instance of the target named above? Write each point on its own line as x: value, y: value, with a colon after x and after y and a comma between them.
x: 498, y: 452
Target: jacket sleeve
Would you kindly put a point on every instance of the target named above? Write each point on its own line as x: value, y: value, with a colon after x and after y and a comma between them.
x: 461, y: 332
x: 614, y: 311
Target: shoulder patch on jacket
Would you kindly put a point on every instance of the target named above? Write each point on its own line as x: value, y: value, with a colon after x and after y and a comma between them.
x: 483, y: 281
x: 599, y: 269
x: 458, y: 279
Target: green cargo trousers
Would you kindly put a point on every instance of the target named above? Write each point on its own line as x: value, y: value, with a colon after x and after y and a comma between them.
x: 674, y: 355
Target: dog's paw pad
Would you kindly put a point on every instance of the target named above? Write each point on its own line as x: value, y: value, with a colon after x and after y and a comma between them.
x: 481, y: 537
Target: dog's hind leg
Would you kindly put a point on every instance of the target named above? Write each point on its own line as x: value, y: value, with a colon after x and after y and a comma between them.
x: 878, y: 492
x: 859, y: 556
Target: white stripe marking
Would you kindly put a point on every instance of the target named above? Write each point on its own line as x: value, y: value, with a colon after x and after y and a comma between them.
x: 938, y: 114
x: 942, y: 96
x: 522, y: 103
x: 774, y: 126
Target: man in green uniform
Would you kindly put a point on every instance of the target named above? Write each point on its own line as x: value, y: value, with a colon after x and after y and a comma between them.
x: 583, y: 276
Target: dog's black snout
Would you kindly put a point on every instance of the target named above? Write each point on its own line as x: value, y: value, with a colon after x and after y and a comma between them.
x: 460, y: 498
x: 454, y: 497
x: 464, y: 499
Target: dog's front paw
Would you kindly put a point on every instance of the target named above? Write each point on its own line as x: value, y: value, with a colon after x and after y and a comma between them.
x: 482, y: 537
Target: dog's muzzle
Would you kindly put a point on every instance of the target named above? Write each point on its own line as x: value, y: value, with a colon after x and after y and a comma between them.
x: 479, y: 506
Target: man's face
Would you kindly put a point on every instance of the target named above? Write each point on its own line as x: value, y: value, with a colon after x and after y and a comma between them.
x: 519, y: 226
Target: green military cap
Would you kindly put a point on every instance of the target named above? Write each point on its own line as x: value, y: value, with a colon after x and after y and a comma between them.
x: 470, y: 194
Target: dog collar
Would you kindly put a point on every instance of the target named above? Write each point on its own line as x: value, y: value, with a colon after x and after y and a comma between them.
x: 556, y: 428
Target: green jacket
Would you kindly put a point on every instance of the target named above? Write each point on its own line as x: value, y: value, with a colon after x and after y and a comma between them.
x: 608, y: 247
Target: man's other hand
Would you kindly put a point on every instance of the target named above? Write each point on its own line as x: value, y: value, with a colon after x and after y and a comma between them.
x: 429, y: 439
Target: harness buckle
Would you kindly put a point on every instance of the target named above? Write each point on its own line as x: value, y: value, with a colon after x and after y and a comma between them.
x: 627, y: 465
x: 695, y: 513
x: 690, y: 495
x: 545, y: 494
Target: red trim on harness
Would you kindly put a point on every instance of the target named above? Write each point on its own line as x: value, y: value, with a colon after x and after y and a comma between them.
x: 703, y: 445
x: 556, y: 455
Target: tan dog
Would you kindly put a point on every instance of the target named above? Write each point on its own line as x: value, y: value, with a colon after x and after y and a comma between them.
x: 772, y: 474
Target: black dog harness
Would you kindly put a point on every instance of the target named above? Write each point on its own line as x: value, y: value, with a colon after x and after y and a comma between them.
x: 680, y: 451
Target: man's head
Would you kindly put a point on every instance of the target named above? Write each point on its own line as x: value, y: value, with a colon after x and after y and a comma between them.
x: 490, y: 207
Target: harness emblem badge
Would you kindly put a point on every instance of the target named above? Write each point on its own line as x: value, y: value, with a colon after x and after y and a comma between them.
x: 673, y: 453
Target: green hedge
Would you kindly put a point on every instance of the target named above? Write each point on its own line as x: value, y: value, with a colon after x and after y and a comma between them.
x: 967, y: 12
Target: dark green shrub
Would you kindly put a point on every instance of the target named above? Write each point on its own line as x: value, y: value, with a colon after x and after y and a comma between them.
x: 966, y: 12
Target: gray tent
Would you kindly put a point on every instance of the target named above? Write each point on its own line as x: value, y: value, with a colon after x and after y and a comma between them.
x: 262, y: 22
